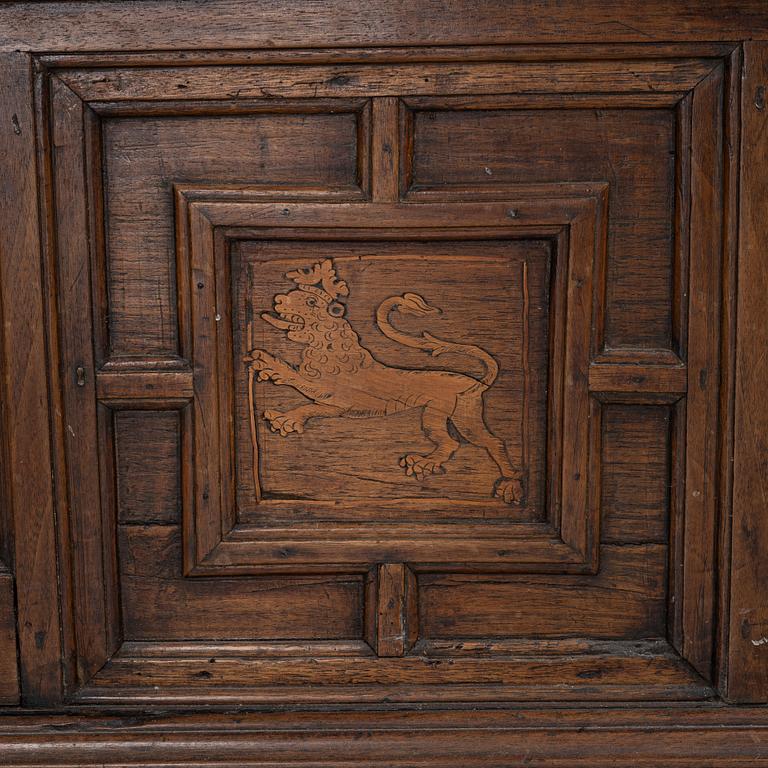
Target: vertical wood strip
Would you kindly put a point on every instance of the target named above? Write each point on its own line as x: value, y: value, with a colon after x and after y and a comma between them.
x: 9, y: 679
x: 747, y: 656
x: 701, y: 489
x: 579, y: 459
x: 680, y: 341
x: 525, y: 364
x: 396, y: 625
x: 385, y: 161
x: 91, y: 590
x: 25, y: 392
x: 205, y: 457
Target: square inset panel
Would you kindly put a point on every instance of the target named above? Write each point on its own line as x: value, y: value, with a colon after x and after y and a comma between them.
x: 388, y: 419
x: 409, y: 382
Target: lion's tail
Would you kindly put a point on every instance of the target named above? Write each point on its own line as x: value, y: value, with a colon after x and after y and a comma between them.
x: 413, y: 304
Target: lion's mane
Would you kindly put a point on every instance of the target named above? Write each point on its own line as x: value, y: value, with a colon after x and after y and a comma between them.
x: 332, y: 348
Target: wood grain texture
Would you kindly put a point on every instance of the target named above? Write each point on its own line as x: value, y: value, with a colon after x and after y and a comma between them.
x: 71, y: 266
x: 147, y: 467
x: 396, y: 610
x: 143, y: 156
x: 160, y: 604
x: 9, y: 673
x: 212, y: 281
x: 170, y: 489
x: 25, y: 391
x: 381, y: 680
x: 218, y: 24
x: 702, y: 403
x: 747, y: 662
x: 498, y: 146
x: 607, y: 737
x: 671, y: 76
x: 626, y: 599
x: 636, y: 468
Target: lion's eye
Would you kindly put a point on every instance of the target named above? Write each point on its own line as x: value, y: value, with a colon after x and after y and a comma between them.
x: 336, y: 309
x: 312, y: 302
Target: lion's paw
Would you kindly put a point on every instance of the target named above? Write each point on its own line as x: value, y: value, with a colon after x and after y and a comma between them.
x: 510, y: 489
x: 267, y: 367
x: 420, y: 466
x: 284, y: 423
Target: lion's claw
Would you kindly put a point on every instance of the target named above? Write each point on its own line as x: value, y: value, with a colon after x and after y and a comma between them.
x: 510, y: 489
x: 269, y: 368
x: 284, y: 423
x: 420, y: 466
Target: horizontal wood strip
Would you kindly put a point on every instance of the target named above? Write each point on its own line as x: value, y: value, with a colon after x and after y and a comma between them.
x: 638, y: 378
x: 216, y: 24
x: 388, y: 55
x: 147, y: 386
x: 306, y: 610
x: 625, y: 600
x: 549, y: 737
x: 242, y: 649
x: 579, y: 671
x: 710, y: 716
x: 349, y: 81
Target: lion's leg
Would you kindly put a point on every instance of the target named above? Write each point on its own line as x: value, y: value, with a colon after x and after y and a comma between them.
x: 271, y: 368
x: 434, y: 422
x: 295, y: 419
x: 468, y: 419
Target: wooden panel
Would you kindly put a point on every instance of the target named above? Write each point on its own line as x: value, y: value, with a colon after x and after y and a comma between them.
x: 280, y: 533
x: 747, y: 663
x: 159, y: 604
x: 408, y: 680
x: 636, y: 157
x: 198, y: 138
x: 626, y: 599
x: 475, y: 294
x: 72, y: 251
x: 143, y: 156
x: 636, y: 450
x: 25, y: 383
x: 615, y: 736
x: 396, y: 610
x: 147, y: 466
x: 702, y: 403
x: 665, y: 76
x: 9, y: 675
x: 229, y: 24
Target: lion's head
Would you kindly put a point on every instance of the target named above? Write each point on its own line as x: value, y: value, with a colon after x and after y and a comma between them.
x: 313, y: 315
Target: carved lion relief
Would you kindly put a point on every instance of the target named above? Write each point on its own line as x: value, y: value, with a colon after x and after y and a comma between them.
x: 341, y: 378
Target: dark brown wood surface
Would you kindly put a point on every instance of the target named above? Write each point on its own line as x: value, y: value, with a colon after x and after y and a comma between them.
x: 26, y: 383
x: 9, y: 680
x: 383, y: 385
x: 206, y: 25
x: 747, y: 670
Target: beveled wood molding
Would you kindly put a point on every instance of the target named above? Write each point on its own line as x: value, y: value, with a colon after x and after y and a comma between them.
x: 73, y: 387
x: 574, y: 217
x: 628, y: 737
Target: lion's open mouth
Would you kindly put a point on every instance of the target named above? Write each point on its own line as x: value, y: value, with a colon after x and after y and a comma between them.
x: 284, y: 322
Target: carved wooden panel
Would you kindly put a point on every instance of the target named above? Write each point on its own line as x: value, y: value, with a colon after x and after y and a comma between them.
x: 282, y: 492
x: 398, y: 379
